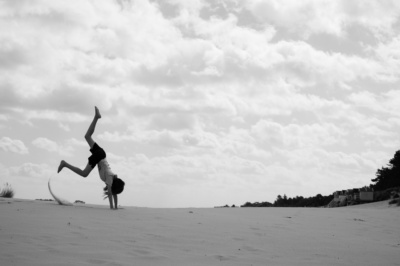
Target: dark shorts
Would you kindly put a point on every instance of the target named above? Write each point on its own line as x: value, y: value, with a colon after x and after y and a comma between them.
x: 98, y: 154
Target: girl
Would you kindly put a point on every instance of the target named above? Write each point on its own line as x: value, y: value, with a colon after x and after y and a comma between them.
x: 114, y: 185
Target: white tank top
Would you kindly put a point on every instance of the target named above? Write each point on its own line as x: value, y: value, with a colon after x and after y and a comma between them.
x: 105, y: 172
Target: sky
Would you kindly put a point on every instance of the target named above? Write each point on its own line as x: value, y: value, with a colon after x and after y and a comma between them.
x: 203, y: 102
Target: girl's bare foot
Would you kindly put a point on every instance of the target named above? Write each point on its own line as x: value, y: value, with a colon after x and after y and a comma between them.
x: 62, y: 164
x: 98, y: 115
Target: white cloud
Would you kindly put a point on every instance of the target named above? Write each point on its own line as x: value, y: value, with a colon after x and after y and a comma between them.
x: 303, y: 18
x: 13, y: 145
x: 52, y: 146
x: 308, y: 66
x: 46, y: 144
x: 378, y: 16
x: 323, y: 159
x: 333, y: 17
x: 273, y: 134
x: 64, y: 127
x: 388, y: 54
x: 41, y: 171
x: 76, y: 143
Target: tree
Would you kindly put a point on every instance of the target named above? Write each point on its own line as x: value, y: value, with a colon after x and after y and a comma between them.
x: 279, y: 201
x: 388, y: 177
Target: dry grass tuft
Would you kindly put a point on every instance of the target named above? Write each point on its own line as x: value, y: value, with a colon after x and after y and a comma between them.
x: 7, y: 191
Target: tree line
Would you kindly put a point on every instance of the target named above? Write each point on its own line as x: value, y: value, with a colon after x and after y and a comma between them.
x: 297, y: 201
x: 385, y: 178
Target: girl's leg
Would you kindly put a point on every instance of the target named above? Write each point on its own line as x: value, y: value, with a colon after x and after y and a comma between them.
x: 85, y: 172
x: 90, y: 131
x: 88, y: 136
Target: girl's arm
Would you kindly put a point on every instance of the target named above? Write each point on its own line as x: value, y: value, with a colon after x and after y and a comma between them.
x: 109, y: 196
x: 115, y: 196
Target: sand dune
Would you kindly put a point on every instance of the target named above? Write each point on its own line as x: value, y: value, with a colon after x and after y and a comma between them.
x: 45, y: 233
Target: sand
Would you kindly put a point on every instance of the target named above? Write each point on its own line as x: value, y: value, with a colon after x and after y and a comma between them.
x: 45, y: 233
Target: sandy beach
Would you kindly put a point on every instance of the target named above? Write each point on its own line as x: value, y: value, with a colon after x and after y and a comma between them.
x: 45, y: 233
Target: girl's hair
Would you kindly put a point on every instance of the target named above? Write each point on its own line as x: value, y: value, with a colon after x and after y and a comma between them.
x: 117, y: 186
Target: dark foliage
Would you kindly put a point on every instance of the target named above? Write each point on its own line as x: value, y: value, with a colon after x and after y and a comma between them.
x: 316, y: 201
x: 258, y: 204
x: 389, y: 176
x: 387, y: 194
x: 394, y: 201
x: 226, y: 206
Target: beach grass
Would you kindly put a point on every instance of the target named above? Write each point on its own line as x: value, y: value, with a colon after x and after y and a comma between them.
x: 7, y: 191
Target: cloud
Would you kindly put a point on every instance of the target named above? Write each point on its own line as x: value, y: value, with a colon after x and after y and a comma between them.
x: 376, y: 117
x: 388, y: 54
x: 302, y: 18
x: 305, y: 65
x: 378, y: 16
x: 46, y: 144
x: 305, y: 18
x: 76, y: 143
x: 52, y: 146
x: 323, y: 159
x: 272, y: 134
x: 36, y: 171
x: 64, y: 127
x: 182, y: 170
x: 13, y: 145
x: 102, y: 68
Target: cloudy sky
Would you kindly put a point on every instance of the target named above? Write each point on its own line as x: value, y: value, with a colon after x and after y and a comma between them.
x: 204, y: 102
